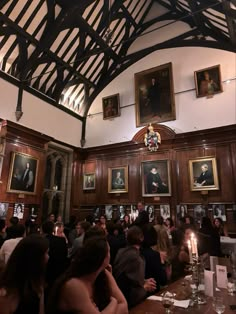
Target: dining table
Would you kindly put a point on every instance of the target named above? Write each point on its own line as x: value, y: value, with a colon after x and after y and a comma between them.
x: 182, y: 290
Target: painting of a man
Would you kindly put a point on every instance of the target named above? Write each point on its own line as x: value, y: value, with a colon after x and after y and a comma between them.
x: 154, y: 95
x: 23, y: 173
x: 156, y: 178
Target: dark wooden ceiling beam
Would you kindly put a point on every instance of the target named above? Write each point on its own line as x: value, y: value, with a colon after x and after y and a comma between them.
x: 231, y: 20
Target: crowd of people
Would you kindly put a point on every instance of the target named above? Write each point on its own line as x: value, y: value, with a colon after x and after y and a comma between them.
x: 96, y: 266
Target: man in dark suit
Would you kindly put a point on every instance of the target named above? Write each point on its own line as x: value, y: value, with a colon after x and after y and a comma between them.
x: 58, y: 261
x: 143, y: 217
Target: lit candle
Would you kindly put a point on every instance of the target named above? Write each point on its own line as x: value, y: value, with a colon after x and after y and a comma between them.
x: 190, y: 252
x: 195, y: 246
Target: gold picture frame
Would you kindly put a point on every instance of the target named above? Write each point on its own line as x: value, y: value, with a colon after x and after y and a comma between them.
x: 203, y: 174
x: 89, y: 181
x: 154, y: 95
x: 208, y: 81
x: 118, y: 179
x: 23, y: 174
x: 111, y: 106
x: 156, y: 178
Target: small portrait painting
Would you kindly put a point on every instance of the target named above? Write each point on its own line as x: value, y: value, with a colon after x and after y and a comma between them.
x: 89, y: 181
x: 156, y: 178
x: 154, y: 95
x: 23, y: 174
x: 199, y: 212
x: 203, y: 174
x: 3, y: 210
x: 33, y: 211
x: 108, y: 212
x: 111, y: 106
x: 19, y: 210
x: 208, y: 81
x: 118, y: 179
x: 122, y: 211
x: 150, y: 210
x: 181, y: 211
x: 97, y: 212
x: 165, y: 211
x: 219, y: 211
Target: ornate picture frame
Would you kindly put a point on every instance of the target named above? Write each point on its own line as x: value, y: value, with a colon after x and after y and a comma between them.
x: 154, y: 95
x: 208, y: 81
x: 203, y: 174
x: 89, y: 181
x: 156, y: 178
x: 118, y: 179
x: 111, y: 106
x: 23, y: 174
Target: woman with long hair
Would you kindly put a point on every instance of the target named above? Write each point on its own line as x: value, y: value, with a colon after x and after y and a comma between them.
x: 22, y: 280
x: 87, y: 287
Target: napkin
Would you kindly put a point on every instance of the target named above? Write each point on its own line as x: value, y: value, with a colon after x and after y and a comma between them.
x: 178, y: 303
x: 182, y: 303
x: 155, y: 298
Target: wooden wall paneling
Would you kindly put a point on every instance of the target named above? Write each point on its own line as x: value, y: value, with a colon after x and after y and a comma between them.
x: 23, y: 140
x: 233, y: 164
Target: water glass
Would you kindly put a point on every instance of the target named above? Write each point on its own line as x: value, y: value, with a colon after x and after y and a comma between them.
x: 230, y: 286
x: 167, y: 301
x: 218, y: 305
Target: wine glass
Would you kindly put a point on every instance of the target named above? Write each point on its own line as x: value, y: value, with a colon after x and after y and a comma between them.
x: 218, y: 305
x: 167, y: 301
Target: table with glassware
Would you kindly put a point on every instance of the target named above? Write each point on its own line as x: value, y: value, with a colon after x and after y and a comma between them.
x: 181, y: 290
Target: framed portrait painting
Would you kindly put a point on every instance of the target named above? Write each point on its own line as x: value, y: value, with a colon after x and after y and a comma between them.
x: 156, y: 178
x: 111, y: 106
x: 23, y: 174
x: 208, y: 81
x: 118, y: 179
x: 154, y: 95
x: 89, y: 181
x: 203, y: 174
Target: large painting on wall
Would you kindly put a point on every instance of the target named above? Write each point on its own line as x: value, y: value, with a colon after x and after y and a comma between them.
x: 156, y: 178
x: 154, y: 95
x: 23, y: 174
x: 203, y: 174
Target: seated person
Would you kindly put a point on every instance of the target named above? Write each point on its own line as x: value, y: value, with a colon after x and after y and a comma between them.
x: 154, y: 266
x: 180, y: 255
x: 87, y: 287
x: 129, y: 269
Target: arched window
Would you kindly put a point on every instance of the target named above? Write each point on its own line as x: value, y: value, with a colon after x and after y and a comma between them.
x: 57, y: 183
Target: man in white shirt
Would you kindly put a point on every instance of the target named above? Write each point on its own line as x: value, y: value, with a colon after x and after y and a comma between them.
x: 9, y: 245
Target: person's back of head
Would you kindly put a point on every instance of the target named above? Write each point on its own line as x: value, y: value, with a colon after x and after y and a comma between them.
x: 84, y: 262
x: 48, y: 227
x: 14, y: 221
x: 150, y: 236
x: 2, y: 224
x: 17, y: 231
x: 26, y: 266
x: 93, y: 232
x: 135, y: 236
x: 206, y: 223
x: 85, y: 225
